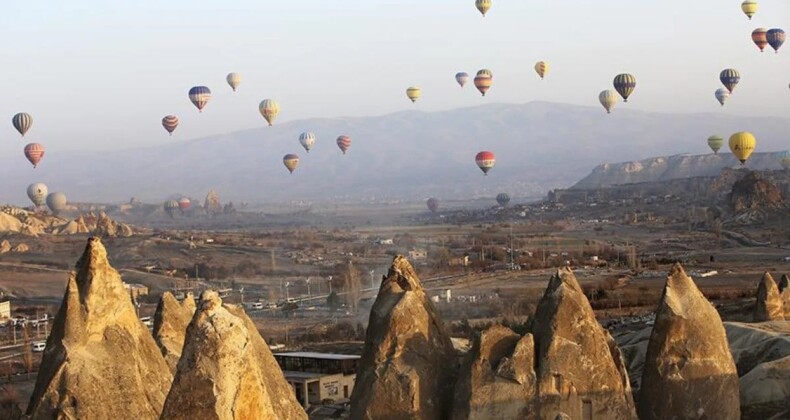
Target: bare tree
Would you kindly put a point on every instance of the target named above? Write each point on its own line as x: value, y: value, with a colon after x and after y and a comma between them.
x: 352, y: 285
x: 27, y: 350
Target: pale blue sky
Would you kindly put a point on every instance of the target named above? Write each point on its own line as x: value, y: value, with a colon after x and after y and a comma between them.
x: 101, y: 74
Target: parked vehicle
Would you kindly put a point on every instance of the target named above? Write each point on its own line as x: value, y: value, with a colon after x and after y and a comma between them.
x: 147, y: 321
x: 39, y: 346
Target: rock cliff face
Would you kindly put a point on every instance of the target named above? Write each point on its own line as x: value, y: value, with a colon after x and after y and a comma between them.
x: 689, y: 372
x: 755, y: 193
x: 227, y: 371
x: 580, y: 371
x: 170, y: 326
x: 784, y: 292
x: 408, y: 367
x: 769, y: 301
x: 100, y: 360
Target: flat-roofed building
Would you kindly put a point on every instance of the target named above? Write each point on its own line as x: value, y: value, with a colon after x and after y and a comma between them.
x: 316, y: 377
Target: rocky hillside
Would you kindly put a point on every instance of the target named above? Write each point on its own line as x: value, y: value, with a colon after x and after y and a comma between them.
x: 15, y: 220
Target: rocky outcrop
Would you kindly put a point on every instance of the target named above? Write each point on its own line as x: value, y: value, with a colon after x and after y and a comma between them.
x: 753, y: 193
x: 765, y: 390
x: 407, y: 368
x: 20, y: 248
x: 170, y: 326
x: 110, y: 228
x: 100, y: 360
x: 769, y: 301
x: 5, y: 246
x: 9, y: 223
x: 227, y: 371
x: 784, y: 292
x: 497, y: 379
x: 580, y: 371
x: 689, y: 372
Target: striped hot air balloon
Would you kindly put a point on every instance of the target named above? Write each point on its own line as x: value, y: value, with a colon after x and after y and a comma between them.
x: 503, y: 199
x: 200, y: 95
x: 170, y: 207
x: 759, y: 38
x: 742, y: 145
x: 775, y: 38
x: 307, y: 140
x: 34, y: 152
x: 433, y: 204
x: 608, y: 99
x: 485, y: 161
x: 483, y: 6
x: 483, y: 81
x: 344, y: 143
x: 22, y: 122
x: 749, y: 8
x: 730, y: 78
x: 722, y: 95
x: 184, y: 204
x: 715, y: 142
x: 170, y: 122
x: 270, y: 109
x: 413, y: 93
x: 234, y: 80
x: 541, y: 67
x: 625, y: 84
x: 461, y: 78
x: 291, y: 161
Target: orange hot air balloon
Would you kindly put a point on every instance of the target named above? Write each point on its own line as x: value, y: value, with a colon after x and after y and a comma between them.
x: 344, y: 143
x: 34, y: 152
x: 184, y: 204
x: 483, y: 81
x: 291, y: 161
x: 170, y: 122
x: 759, y: 37
x: 485, y: 161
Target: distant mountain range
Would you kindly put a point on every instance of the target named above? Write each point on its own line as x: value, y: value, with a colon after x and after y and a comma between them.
x: 407, y: 155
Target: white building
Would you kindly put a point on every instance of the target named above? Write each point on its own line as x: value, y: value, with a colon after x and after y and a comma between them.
x: 316, y: 377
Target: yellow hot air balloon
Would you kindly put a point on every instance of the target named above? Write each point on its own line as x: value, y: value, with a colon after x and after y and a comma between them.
x: 742, y: 145
x: 291, y: 161
x: 414, y: 93
x: 715, y: 142
x: 749, y: 8
x: 483, y: 6
x: 270, y: 109
x: 234, y: 80
x: 542, y: 67
x: 608, y: 99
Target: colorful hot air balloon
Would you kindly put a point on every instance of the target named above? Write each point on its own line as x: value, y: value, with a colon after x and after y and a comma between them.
x: 184, y: 204
x: 742, y: 145
x: 37, y: 193
x: 307, y: 140
x: 170, y: 122
x: 270, y: 109
x: 170, y: 207
x: 749, y: 8
x: 344, y: 143
x: 775, y: 38
x: 625, y: 84
x: 56, y: 202
x: 503, y: 199
x: 414, y: 93
x: 608, y: 99
x: 483, y: 6
x: 759, y: 38
x: 715, y: 142
x: 722, y: 95
x: 784, y: 159
x: 433, y: 204
x: 730, y: 78
x: 234, y: 80
x: 542, y: 67
x: 34, y: 152
x: 291, y: 161
x: 485, y: 161
x: 200, y: 95
x: 483, y: 81
x: 461, y: 78
x: 22, y: 122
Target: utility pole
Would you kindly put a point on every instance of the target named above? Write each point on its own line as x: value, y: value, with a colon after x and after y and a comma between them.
x: 308, y: 287
x: 372, y: 272
x: 330, y: 285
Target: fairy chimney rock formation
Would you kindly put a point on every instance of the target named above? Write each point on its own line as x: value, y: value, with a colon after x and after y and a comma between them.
x: 227, y: 371
x: 408, y: 364
x: 100, y: 360
x: 497, y: 379
x: 580, y: 371
x: 784, y: 292
x: 170, y: 326
x: 689, y: 372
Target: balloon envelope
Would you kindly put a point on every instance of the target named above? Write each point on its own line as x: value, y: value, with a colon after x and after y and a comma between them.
x: 184, y: 204
x: 625, y: 84
x: 759, y: 38
x: 503, y: 199
x: 730, y: 78
x: 307, y: 140
x: 291, y: 161
x: 34, y: 152
x: 22, y: 122
x: 433, y: 204
x: 234, y: 80
x: 483, y: 81
x: 461, y: 78
x: 37, y: 193
x: 485, y: 161
x: 775, y: 38
x: 541, y: 67
x: 56, y: 202
x: 171, y: 206
x: 483, y: 6
x: 608, y: 99
x: 414, y: 93
x: 715, y: 143
x: 270, y: 109
x: 344, y: 143
x: 749, y: 8
x: 170, y: 122
x: 200, y: 95
x: 742, y: 145
x: 722, y: 95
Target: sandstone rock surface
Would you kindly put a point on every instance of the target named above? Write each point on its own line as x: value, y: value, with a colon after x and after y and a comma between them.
x: 5, y: 246
x: 769, y: 301
x: 170, y: 326
x: 784, y: 292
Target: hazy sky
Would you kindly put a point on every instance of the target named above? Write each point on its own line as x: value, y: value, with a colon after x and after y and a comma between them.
x: 101, y: 74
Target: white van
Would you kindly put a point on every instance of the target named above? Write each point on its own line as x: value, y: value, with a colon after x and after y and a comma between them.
x: 39, y: 346
x: 254, y: 306
x: 147, y: 321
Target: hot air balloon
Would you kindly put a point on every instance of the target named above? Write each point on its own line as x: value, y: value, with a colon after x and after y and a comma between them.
x: 270, y: 109
x: 291, y: 161
x: 184, y: 204
x: 307, y: 139
x: 715, y: 142
x: 485, y: 161
x: 759, y: 38
x: 34, y: 152
x: 483, y: 6
x: 730, y: 78
x: 433, y: 204
x: 608, y: 99
x: 784, y: 159
x: 234, y: 80
x: 414, y: 93
x: 775, y: 38
x: 22, y: 122
x: 37, y: 193
x: 170, y: 207
x: 170, y: 122
x: 56, y: 202
x: 749, y: 8
x: 344, y: 143
x: 722, y: 95
x: 625, y: 85
x: 461, y: 78
x: 542, y: 67
x: 742, y: 145
x: 200, y: 95
x: 503, y: 199
x: 483, y: 81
